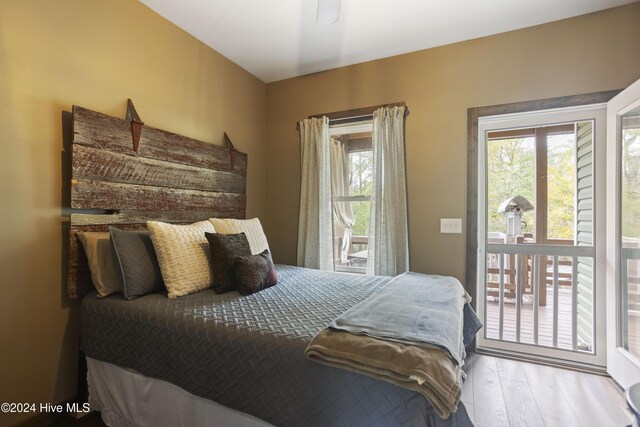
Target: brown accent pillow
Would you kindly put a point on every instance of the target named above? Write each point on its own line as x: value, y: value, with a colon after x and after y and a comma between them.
x: 103, y: 264
x: 224, y: 249
x: 255, y: 272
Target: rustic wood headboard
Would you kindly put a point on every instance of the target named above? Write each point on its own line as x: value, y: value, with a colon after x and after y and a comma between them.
x: 169, y: 178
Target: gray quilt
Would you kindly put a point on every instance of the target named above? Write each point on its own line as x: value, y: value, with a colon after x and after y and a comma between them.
x: 247, y: 353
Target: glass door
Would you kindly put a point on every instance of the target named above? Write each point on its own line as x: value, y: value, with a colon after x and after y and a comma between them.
x: 623, y: 236
x: 540, y: 261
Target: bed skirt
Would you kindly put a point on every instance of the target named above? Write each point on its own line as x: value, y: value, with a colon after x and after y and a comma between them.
x: 126, y: 398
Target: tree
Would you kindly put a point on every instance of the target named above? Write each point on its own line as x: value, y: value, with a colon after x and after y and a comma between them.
x: 630, y: 183
x: 511, y: 171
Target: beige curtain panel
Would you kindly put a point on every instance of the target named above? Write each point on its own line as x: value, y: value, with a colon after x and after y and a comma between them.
x: 388, y: 229
x: 315, y: 231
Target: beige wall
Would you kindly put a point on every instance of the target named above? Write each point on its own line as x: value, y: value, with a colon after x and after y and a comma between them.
x: 95, y: 54
x: 585, y: 54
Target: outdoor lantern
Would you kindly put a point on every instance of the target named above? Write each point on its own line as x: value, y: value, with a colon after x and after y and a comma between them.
x: 513, y: 209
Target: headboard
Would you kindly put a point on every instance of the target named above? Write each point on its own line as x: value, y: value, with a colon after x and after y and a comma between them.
x: 169, y: 178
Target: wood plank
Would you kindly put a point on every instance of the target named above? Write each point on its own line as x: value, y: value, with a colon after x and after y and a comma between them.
x: 488, y: 398
x: 546, y: 395
x: 171, y: 178
x: 592, y: 398
x: 522, y: 409
x: 133, y: 217
x: 110, y: 133
x: 555, y: 410
x: 91, y: 163
x: 87, y: 194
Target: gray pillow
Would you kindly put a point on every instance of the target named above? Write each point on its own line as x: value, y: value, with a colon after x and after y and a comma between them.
x: 138, y: 263
x: 224, y: 249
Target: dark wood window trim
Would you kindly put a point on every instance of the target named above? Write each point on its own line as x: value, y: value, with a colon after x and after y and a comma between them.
x: 473, y: 114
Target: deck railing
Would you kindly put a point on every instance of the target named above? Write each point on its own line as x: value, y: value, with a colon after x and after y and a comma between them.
x: 521, y: 274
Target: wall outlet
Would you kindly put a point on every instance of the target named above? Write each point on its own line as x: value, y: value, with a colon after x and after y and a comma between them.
x: 451, y: 225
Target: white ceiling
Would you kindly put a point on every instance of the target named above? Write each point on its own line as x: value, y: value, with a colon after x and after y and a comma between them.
x: 278, y: 39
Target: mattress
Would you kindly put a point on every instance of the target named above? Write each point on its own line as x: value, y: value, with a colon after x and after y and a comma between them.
x: 247, y: 353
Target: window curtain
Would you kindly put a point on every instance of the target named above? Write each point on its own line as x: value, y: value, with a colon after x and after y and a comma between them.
x: 342, y: 211
x: 315, y: 231
x: 388, y: 231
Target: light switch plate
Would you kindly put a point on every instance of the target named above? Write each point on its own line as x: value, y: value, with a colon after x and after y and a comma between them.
x: 451, y: 225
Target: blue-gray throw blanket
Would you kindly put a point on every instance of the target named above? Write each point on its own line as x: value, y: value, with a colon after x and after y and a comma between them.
x: 411, y: 333
x: 414, y: 309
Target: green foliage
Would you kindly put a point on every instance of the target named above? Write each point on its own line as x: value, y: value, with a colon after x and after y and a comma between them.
x: 511, y: 172
x: 360, y: 173
x: 561, y: 177
x: 630, y: 183
x: 361, y: 211
x: 361, y: 184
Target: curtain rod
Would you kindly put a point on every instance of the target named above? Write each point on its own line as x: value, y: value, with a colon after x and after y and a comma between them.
x: 357, y: 114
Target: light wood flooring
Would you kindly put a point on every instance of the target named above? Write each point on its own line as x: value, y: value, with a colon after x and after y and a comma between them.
x: 503, y: 392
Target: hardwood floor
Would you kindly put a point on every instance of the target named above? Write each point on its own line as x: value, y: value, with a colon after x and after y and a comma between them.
x: 503, y: 392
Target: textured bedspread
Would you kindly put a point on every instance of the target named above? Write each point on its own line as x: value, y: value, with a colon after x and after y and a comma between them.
x: 248, y: 352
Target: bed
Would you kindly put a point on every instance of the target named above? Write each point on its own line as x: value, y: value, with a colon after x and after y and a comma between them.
x: 207, y: 358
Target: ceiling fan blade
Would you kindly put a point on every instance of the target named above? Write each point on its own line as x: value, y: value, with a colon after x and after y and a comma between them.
x: 328, y: 11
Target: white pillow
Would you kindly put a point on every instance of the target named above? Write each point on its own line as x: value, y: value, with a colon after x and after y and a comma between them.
x: 104, y: 268
x: 251, y: 227
x: 183, y: 255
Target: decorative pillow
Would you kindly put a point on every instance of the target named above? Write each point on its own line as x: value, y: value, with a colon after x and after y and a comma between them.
x: 138, y: 262
x: 255, y: 272
x: 102, y: 263
x: 183, y: 255
x: 224, y: 249
x: 251, y: 227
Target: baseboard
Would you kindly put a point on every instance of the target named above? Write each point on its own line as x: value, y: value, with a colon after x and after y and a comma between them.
x: 574, y: 366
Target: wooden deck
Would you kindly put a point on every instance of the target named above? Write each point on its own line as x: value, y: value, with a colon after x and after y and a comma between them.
x: 545, y: 322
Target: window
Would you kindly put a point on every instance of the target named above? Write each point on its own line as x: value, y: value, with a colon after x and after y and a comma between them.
x: 340, y: 184
x: 354, y: 201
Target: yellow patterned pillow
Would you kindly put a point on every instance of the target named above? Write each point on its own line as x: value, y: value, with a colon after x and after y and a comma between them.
x: 183, y: 255
x: 250, y: 227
